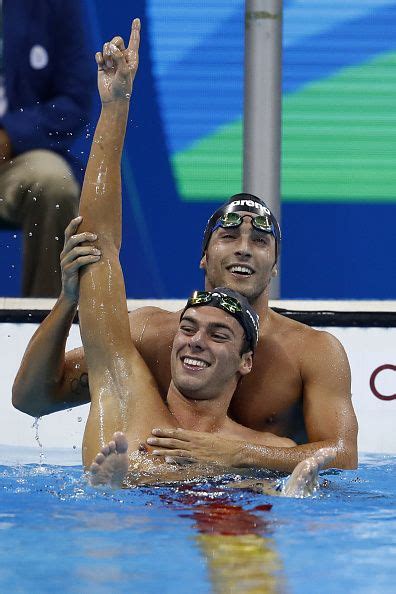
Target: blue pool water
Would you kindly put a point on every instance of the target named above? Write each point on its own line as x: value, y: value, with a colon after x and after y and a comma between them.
x: 59, y: 534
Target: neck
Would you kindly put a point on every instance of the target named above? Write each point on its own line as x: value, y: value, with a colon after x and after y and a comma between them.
x: 198, y: 415
x: 260, y: 304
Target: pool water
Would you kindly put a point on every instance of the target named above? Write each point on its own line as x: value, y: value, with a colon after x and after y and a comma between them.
x: 59, y: 533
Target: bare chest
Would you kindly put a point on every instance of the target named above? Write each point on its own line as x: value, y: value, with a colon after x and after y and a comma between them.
x: 269, y: 398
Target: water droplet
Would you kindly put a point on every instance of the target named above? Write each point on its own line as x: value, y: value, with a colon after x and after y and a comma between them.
x: 21, y: 109
x: 30, y: 234
x: 14, y: 236
x: 56, y: 205
x: 57, y: 238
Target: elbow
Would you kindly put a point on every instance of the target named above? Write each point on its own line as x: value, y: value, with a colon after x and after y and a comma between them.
x: 21, y: 402
x: 347, y: 456
x: 350, y: 462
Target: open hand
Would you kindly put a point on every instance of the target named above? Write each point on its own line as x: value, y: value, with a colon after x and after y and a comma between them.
x: 117, y: 66
x: 181, y: 446
x: 75, y: 254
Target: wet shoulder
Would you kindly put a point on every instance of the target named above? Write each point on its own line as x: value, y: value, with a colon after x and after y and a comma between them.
x: 148, y: 323
x: 306, y: 340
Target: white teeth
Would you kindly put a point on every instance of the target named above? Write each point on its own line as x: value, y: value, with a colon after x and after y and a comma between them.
x: 195, y: 362
x: 241, y: 269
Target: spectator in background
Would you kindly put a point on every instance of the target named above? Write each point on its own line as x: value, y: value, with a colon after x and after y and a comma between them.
x: 46, y: 83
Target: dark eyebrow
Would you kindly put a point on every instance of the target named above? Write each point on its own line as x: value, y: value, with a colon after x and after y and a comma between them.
x: 211, y: 326
x: 188, y: 319
x: 219, y: 326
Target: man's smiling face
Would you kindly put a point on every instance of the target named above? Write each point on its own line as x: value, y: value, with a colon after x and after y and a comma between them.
x: 241, y: 258
x: 206, y: 356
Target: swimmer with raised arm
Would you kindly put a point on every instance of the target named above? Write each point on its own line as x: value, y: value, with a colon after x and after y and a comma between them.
x: 213, y: 347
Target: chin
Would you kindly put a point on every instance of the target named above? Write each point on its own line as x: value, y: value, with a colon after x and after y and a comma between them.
x: 189, y: 387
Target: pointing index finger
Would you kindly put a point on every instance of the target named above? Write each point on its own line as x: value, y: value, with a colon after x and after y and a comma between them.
x: 134, y: 38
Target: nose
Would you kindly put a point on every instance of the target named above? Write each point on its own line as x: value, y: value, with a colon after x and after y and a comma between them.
x: 243, y: 248
x: 197, y: 341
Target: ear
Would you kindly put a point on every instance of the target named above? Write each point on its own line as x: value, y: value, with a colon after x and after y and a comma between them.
x: 202, y: 263
x: 274, y: 270
x: 246, y: 363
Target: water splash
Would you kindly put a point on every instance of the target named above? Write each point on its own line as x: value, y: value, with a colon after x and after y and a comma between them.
x: 35, y: 426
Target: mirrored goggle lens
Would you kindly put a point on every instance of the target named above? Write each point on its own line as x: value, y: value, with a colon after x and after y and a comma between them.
x: 228, y: 303
x: 200, y: 297
x: 230, y: 219
x: 233, y: 219
x: 263, y: 223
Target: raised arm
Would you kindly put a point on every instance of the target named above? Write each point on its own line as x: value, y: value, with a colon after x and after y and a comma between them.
x: 48, y: 380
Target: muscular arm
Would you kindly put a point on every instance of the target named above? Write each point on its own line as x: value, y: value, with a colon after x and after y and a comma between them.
x: 48, y: 380
x: 328, y: 413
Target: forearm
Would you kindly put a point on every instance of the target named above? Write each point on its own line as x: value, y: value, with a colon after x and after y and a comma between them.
x: 39, y: 380
x: 286, y: 459
x: 102, y: 284
x: 100, y: 204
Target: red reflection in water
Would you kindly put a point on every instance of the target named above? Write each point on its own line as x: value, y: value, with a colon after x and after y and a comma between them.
x: 221, y: 517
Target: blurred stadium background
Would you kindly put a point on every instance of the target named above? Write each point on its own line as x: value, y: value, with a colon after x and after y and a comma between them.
x: 183, y: 154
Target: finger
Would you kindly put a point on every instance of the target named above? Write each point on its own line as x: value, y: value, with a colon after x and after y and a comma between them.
x: 165, y: 442
x: 72, y: 227
x: 180, y: 461
x: 171, y: 453
x: 118, y: 57
x: 180, y: 434
x: 79, y: 263
x: 75, y: 240
x: 77, y: 252
x: 134, y: 38
x: 99, y: 60
x: 108, y: 61
x: 118, y: 42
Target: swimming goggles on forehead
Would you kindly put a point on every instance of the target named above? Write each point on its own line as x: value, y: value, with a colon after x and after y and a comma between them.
x: 233, y: 219
x: 227, y: 303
